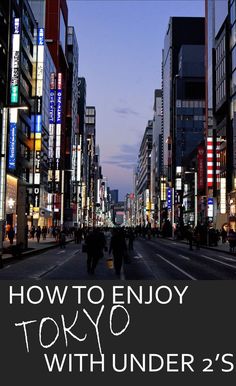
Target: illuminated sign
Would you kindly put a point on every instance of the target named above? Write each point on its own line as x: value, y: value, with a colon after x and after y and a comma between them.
x: 51, y: 131
x: 163, y: 188
x: 38, y: 126
x: 178, y: 184
x: 40, y: 62
x: 12, y: 139
x: 223, y: 195
x: 218, y: 145
x: 40, y: 36
x: 36, y: 197
x: 51, y: 106
x: 12, y: 146
x: 201, y: 166
x: 210, y: 210
x: 59, y: 105
x: 58, y: 123
x: 14, y: 87
x: 169, y: 198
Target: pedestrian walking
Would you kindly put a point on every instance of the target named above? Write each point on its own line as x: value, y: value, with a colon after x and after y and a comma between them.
x: 38, y: 233
x: 62, y: 239
x: 11, y: 235
x: 197, y: 235
x: 130, y: 240
x: 190, y: 237
x: 96, y: 243
x: 32, y: 232
x: 118, y: 249
x: 44, y: 232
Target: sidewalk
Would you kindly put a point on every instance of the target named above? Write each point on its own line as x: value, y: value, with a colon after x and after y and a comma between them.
x: 33, y: 246
x: 219, y: 248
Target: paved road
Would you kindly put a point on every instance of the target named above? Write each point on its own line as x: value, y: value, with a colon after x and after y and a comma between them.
x: 166, y: 259
x: 154, y: 259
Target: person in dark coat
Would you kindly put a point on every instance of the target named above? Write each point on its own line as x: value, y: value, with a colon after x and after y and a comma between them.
x: 130, y: 239
x: 96, y: 243
x: 118, y: 249
x: 62, y: 239
x: 11, y: 234
x: 38, y: 233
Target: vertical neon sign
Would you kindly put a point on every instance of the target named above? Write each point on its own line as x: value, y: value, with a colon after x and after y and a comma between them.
x: 15, y: 62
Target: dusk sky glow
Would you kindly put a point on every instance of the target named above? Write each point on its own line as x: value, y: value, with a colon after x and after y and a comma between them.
x: 120, y: 47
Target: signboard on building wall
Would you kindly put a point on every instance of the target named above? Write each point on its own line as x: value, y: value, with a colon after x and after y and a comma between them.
x: 12, y: 139
x: 169, y: 198
x: 201, y: 165
x: 210, y: 162
x: 51, y: 131
x: 40, y: 62
x: 15, y: 62
x: 58, y: 123
x: 210, y: 207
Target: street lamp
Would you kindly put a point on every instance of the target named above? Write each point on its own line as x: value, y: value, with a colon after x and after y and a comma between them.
x: 195, y: 195
x: 3, y: 170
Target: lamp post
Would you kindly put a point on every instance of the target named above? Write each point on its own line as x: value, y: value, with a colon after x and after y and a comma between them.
x: 195, y: 195
x: 3, y: 171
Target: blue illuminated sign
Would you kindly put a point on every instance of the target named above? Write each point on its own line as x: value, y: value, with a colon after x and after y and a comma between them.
x: 59, y: 106
x: 210, y: 201
x: 38, y: 126
x: 51, y: 107
x: 40, y: 36
x: 12, y: 146
x: 169, y: 198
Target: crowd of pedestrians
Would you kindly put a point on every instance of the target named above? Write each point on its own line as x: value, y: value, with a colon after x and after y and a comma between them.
x: 115, y: 242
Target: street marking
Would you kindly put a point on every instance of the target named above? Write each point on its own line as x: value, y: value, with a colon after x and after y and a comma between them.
x: 39, y: 276
x: 138, y: 256
x: 50, y: 270
x: 75, y: 253
x: 176, y: 267
x: 184, y: 257
x: 59, y: 253
x: 227, y: 258
x: 219, y: 262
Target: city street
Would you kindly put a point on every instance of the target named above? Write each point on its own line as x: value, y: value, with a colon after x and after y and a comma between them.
x: 160, y: 259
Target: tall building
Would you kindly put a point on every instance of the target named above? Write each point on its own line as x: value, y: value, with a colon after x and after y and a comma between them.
x: 114, y: 196
x: 181, y: 31
x: 220, y: 112
x: 89, y: 158
x: 156, y: 158
x: 82, y: 155
x: 73, y: 140
x: 56, y: 24
x: 41, y: 210
x: 4, y: 34
x: 21, y: 129
x: 144, y: 177
x: 188, y: 103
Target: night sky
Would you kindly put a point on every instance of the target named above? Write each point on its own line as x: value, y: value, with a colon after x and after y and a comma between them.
x: 120, y: 46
